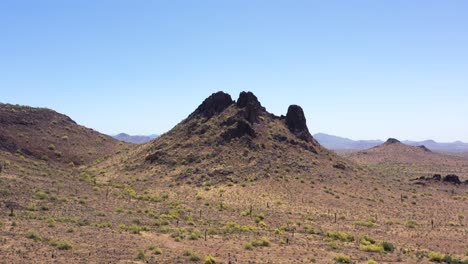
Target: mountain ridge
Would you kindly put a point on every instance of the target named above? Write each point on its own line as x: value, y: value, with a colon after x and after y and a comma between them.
x: 341, y: 143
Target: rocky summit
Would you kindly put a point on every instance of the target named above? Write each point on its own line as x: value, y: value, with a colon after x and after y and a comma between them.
x: 214, y: 105
x: 391, y: 141
x: 242, y: 135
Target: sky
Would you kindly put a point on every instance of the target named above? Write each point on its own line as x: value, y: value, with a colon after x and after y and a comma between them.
x: 360, y: 69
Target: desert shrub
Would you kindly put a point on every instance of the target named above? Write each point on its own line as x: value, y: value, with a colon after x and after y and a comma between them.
x: 32, y: 207
x: 64, y: 246
x: 388, y: 247
x: 435, y: 256
x: 195, y: 235
x: 372, y: 248
x: 367, y: 223
x: 210, y: 260
x: 34, y: 236
x: 310, y: 230
x: 102, y: 225
x: 334, y: 245
x: 158, y: 251
x: 367, y: 240
x: 340, y: 258
x: 192, y: 255
x: 369, y: 244
x: 411, y: 224
x: 371, y: 261
x: 41, y: 195
x: 134, y: 229
x: 248, y: 246
x: 342, y: 236
x: 262, y: 242
x: 61, y: 245
x: 161, y: 223
x: 141, y: 255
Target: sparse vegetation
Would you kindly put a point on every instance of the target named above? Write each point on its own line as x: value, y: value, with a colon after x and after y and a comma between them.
x: 342, y: 236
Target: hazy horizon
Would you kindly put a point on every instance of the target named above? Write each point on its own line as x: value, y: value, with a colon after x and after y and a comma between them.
x: 360, y: 69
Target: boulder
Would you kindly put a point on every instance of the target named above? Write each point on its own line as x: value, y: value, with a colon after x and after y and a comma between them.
x: 452, y: 178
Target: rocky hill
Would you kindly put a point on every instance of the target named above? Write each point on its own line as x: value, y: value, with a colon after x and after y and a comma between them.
x: 44, y: 134
x: 226, y: 140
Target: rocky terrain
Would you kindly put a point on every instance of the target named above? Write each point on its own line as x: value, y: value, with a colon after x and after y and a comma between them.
x: 232, y: 183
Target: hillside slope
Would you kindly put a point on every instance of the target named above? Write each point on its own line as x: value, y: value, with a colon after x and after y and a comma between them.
x: 45, y: 134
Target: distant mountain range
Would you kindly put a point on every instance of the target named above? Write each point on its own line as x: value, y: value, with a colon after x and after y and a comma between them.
x: 135, y: 139
x: 340, y: 143
x: 335, y: 142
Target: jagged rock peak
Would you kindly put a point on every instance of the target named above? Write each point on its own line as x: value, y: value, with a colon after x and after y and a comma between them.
x: 251, y: 107
x: 213, y: 105
x: 296, y: 122
x: 392, y: 141
x: 247, y: 98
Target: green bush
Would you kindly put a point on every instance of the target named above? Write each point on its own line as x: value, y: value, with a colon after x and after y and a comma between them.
x: 34, y: 236
x: 262, y: 242
x: 210, y: 260
x: 248, y: 246
x: 141, y: 255
x: 192, y: 255
x: 342, y: 236
x: 340, y: 258
x: 411, y: 224
x: 388, y: 247
x: 61, y: 245
x: 435, y: 256
x: 158, y: 251
x: 64, y: 246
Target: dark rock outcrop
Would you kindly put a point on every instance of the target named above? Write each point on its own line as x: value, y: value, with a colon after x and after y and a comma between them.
x: 391, y: 141
x: 296, y: 122
x: 339, y: 166
x: 437, y: 177
x: 452, y: 178
x: 156, y: 157
x: 424, y: 148
x: 6, y: 144
x: 213, y: 105
x: 251, y: 107
x: 242, y: 128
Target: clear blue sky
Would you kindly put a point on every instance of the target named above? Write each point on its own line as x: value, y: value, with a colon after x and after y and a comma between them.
x: 360, y: 69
